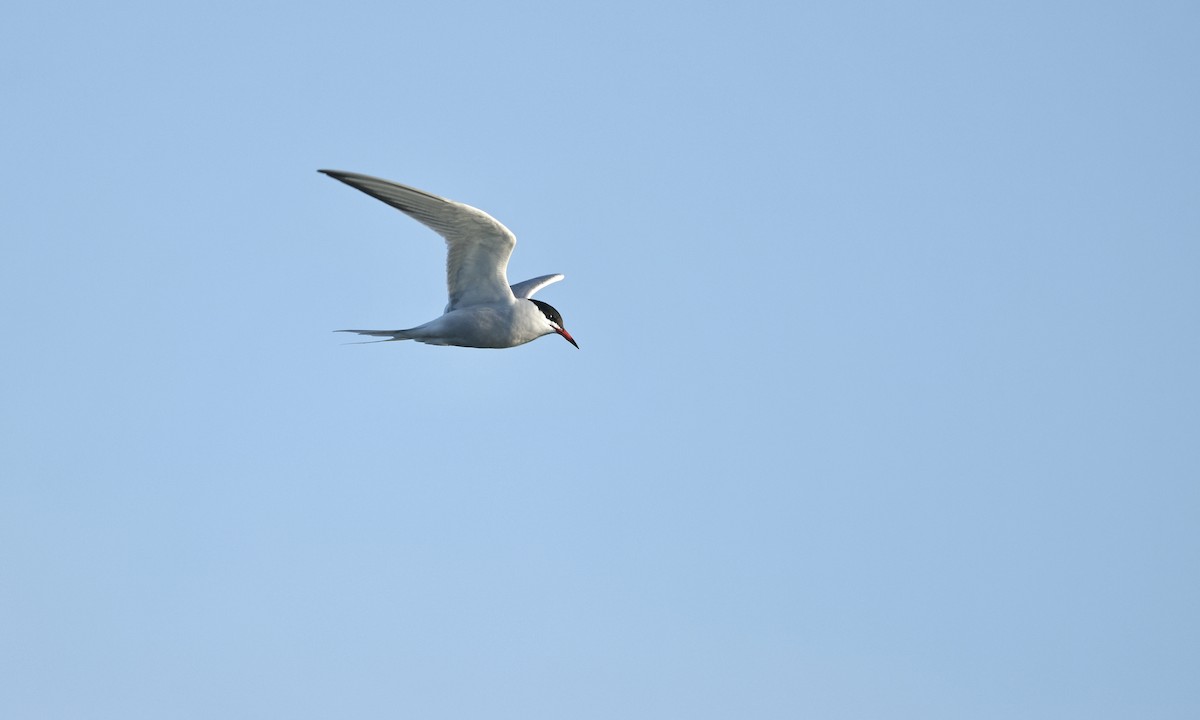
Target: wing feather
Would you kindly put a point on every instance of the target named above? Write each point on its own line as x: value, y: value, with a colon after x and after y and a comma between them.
x: 477, y: 245
x: 527, y: 288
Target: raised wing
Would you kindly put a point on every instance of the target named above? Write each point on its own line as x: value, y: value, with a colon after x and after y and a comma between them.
x: 527, y: 288
x: 478, y: 246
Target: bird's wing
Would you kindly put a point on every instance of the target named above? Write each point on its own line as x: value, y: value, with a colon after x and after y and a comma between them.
x: 478, y: 246
x: 527, y: 288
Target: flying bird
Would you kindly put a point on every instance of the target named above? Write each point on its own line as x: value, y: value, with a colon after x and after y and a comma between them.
x: 484, y: 310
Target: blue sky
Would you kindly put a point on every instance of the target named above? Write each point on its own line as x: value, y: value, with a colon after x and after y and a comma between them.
x: 886, y: 407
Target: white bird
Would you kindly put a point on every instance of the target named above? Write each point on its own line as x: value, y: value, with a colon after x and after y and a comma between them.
x: 484, y: 311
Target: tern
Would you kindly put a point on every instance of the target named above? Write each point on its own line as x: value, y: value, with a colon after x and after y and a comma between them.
x: 484, y: 310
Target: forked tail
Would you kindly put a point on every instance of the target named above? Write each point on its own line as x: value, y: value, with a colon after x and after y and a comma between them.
x: 387, y: 335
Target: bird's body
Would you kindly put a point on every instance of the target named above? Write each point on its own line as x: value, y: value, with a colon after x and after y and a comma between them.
x: 484, y: 311
x: 494, y: 325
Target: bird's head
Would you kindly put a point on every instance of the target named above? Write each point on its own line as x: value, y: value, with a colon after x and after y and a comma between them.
x: 555, y: 320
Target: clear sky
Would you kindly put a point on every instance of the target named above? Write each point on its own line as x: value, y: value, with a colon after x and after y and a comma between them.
x: 887, y: 404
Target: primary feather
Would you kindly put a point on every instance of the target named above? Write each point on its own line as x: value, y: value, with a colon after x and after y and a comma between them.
x: 478, y: 245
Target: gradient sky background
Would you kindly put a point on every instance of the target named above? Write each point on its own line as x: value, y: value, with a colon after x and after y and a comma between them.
x: 887, y: 404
